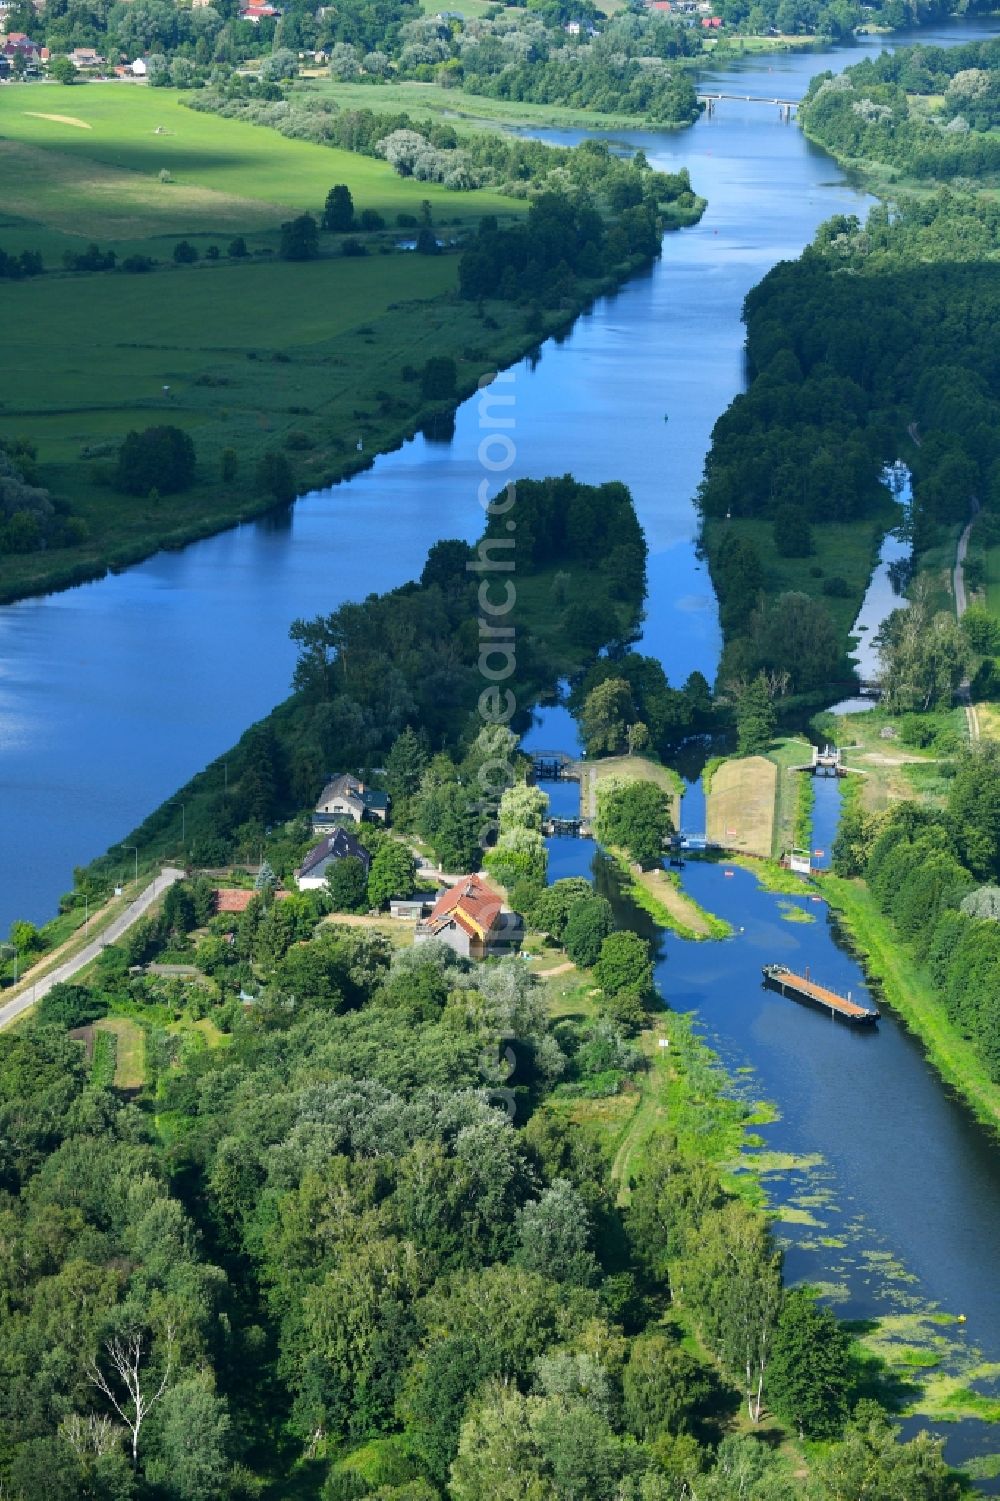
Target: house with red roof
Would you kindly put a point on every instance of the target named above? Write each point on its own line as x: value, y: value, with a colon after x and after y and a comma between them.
x: 472, y: 920
x: 236, y: 899
x: 257, y: 11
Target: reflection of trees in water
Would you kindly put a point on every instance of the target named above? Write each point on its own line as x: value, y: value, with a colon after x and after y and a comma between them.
x: 899, y: 573
x: 439, y: 429
x: 627, y: 915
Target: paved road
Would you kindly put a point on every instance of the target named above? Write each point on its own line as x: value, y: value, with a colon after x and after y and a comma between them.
x: 961, y: 605
x: 89, y: 953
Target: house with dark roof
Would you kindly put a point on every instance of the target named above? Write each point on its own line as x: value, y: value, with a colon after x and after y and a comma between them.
x: 312, y: 873
x: 345, y: 799
x: 472, y: 920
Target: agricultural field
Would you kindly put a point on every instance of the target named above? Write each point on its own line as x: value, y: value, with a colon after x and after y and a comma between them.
x: 467, y: 111
x: 245, y: 354
x: 85, y: 163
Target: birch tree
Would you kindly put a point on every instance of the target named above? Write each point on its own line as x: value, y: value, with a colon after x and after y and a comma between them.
x: 129, y: 1386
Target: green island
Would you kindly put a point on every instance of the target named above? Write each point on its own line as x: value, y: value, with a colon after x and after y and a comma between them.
x: 341, y: 1206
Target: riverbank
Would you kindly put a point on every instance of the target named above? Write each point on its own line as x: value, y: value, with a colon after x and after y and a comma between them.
x: 660, y: 894
x: 908, y: 989
x: 352, y: 348
x: 317, y: 438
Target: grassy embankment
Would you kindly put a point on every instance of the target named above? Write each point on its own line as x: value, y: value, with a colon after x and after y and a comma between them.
x: 909, y: 990
x: 657, y: 891
x: 258, y: 354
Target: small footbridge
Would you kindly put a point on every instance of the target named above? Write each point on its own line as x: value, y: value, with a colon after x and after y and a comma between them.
x: 785, y: 107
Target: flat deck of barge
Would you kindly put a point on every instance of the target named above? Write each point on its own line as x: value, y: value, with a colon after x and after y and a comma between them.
x: 802, y: 988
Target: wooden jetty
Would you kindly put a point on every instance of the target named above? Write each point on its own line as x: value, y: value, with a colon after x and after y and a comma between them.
x: 800, y: 988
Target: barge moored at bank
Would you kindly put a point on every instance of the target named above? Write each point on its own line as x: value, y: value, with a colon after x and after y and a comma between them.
x: 801, y: 988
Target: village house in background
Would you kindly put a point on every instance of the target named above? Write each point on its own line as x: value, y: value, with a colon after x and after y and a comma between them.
x: 472, y: 920
x: 346, y: 799
x: 340, y: 845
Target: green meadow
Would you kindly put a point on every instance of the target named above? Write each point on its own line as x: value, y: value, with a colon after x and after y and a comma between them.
x: 85, y: 163
x: 258, y: 353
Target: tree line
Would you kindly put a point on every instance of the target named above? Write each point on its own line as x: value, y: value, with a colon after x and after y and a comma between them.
x: 935, y: 874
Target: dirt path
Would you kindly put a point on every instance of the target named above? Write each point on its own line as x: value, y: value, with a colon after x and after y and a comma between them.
x: 560, y: 969
x: 658, y: 884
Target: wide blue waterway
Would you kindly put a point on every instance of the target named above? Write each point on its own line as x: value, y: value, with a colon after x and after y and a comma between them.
x: 114, y: 693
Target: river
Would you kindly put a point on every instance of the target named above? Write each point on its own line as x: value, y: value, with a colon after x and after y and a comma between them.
x: 112, y: 694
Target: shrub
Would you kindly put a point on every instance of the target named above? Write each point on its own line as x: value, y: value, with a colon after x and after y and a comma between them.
x: 438, y: 377
x: 137, y: 265
x: 275, y: 477
x: 160, y: 458
x: 185, y: 253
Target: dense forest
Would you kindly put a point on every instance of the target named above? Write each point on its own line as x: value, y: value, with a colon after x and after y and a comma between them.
x: 546, y: 49
x: 354, y: 1228
x: 929, y: 112
x: 355, y: 1242
x: 879, y: 331
x: 935, y: 873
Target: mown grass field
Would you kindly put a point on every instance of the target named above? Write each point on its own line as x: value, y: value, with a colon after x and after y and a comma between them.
x: 845, y: 550
x: 85, y: 163
x: 251, y: 351
x: 130, y: 1062
x: 740, y: 808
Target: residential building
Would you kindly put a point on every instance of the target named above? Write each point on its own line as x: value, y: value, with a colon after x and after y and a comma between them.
x: 346, y: 799
x: 256, y: 12
x: 472, y: 920
x: 312, y: 873
x: 85, y: 57
x: 233, y: 899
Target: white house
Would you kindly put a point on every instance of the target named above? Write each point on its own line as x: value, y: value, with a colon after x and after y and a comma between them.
x: 345, y: 797
x: 312, y: 873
